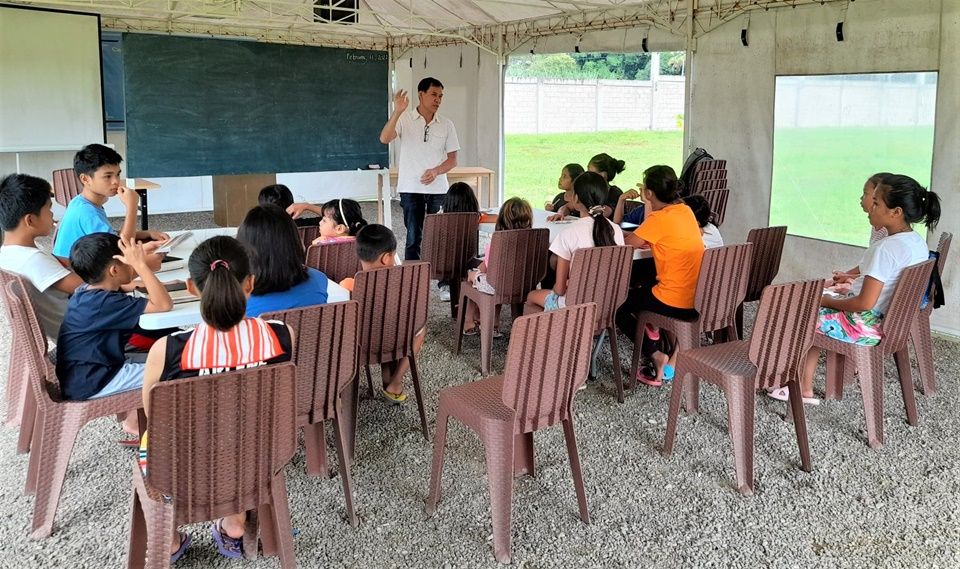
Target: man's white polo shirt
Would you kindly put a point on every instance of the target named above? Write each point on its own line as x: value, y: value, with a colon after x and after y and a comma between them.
x: 422, y: 147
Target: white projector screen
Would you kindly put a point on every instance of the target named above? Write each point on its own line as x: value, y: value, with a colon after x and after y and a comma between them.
x: 50, y: 87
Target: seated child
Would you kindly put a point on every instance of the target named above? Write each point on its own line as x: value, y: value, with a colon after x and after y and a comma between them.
x: 377, y: 248
x: 100, y: 320
x: 568, y: 174
x: 282, y: 281
x: 701, y: 210
x: 25, y: 214
x: 342, y: 219
x: 635, y: 215
x: 460, y: 198
x: 281, y: 196
x: 220, y: 275
x: 515, y: 213
x: 98, y: 168
x: 594, y: 230
x: 898, y: 202
x: 841, y: 281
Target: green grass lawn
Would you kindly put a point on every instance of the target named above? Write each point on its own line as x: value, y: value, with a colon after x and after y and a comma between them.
x: 818, y: 176
x: 818, y: 173
x: 533, y: 161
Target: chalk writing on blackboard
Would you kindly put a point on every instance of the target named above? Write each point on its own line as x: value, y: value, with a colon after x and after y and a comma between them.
x: 380, y: 56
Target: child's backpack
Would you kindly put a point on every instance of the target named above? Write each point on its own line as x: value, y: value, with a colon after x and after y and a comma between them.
x: 690, y: 167
x: 935, y: 286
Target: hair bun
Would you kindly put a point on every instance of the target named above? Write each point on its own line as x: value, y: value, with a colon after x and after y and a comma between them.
x: 619, y: 165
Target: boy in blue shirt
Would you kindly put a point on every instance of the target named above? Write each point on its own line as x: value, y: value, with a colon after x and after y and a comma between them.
x: 100, y: 319
x: 98, y: 168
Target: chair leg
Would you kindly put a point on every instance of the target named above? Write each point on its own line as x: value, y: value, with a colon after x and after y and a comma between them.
x: 487, y: 316
x: 454, y: 296
x: 281, y: 518
x: 251, y: 535
x: 159, y: 521
x: 617, y: 371
x: 315, y: 441
x: 436, y: 472
x: 574, y: 455
x: 906, y: 385
x: 837, y: 365
x: 800, y: 424
x: 499, y: 453
x: 741, y: 399
x: 870, y: 366
x: 56, y: 447
x: 33, y: 465
x: 692, y: 393
x: 347, y: 480
x: 923, y: 348
x: 523, y: 455
x: 137, y: 543
x: 676, y: 394
x: 461, y: 316
x: 415, y: 374
x: 268, y: 530
x: 28, y: 422
x: 350, y: 396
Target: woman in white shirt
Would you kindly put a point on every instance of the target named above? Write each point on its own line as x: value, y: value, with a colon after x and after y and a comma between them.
x: 701, y: 210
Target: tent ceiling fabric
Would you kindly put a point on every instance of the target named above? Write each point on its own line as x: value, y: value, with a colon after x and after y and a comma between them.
x: 496, y: 25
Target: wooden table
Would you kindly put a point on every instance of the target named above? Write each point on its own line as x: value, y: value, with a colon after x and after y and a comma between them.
x: 141, y: 186
x: 481, y: 179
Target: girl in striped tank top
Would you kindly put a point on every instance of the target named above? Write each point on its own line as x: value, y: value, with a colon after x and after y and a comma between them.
x: 225, y: 341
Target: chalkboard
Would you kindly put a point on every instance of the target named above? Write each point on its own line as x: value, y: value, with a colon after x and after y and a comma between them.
x: 197, y: 107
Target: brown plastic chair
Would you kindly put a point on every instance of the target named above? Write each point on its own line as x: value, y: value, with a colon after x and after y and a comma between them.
x: 17, y: 376
x: 58, y: 422
x: 66, y: 186
x: 843, y: 358
x: 450, y: 241
x: 336, y: 260
x: 764, y: 265
x: 773, y: 357
x: 721, y: 287
x: 326, y: 358
x: 717, y: 199
x: 535, y: 392
x: 218, y: 445
x: 614, y: 263
x: 920, y: 331
x: 393, y: 308
x: 308, y: 233
x: 520, y: 263
x: 709, y: 175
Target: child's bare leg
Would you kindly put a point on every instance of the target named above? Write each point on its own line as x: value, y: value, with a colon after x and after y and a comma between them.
x: 400, y: 369
x: 661, y: 359
x: 539, y: 296
x: 131, y: 425
x: 472, y: 316
x: 234, y: 525
x: 496, y: 319
x: 809, y: 369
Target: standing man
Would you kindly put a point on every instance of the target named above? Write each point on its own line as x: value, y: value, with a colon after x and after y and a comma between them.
x: 428, y: 150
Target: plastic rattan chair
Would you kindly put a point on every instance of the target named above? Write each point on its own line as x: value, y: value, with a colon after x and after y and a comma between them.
x: 773, y: 357
x: 308, y: 233
x: 609, y: 292
x: 17, y: 376
x: 920, y: 331
x: 843, y: 357
x: 721, y: 287
x: 393, y: 308
x: 535, y: 392
x: 218, y: 445
x: 326, y: 357
x: 450, y: 241
x: 717, y: 199
x: 709, y: 175
x: 764, y: 265
x: 519, y: 264
x: 336, y: 260
x: 66, y: 186
x: 58, y: 422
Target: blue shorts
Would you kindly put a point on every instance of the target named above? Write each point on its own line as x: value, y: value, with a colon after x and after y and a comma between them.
x: 129, y: 377
x: 554, y: 302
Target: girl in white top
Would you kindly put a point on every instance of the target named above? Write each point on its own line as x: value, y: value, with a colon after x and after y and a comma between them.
x: 898, y: 202
x: 841, y: 280
x: 593, y: 230
x: 701, y: 210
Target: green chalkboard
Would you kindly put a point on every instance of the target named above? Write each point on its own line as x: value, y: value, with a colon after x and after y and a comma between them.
x: 197, y: 107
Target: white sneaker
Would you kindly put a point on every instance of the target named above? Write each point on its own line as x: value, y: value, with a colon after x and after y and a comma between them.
x: 445, y: 293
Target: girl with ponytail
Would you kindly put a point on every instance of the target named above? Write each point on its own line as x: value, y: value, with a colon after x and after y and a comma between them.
x: 897, y: 203
x: 593, y: 230
x: 220, y: 275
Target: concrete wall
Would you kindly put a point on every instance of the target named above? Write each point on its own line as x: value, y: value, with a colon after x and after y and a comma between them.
x: 533, y: 106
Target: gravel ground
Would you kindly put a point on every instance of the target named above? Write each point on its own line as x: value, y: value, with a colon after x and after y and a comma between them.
x: 894, y: 507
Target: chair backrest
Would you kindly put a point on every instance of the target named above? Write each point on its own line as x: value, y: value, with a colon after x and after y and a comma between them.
x: 904, y: 305
x: 336, y: 260
x: 717, y: 200
x: 547, y: 360
x: 709, y: 175
x: 600, y: 275
x: 325, y: 352
x: 30, y: 345
x: 6, y: 278
x: 393, y: 308
x: 66, y: 186
x: 519, y: 262
x: 308, y: 233
x: 217, y: 441
x: 722, y: 284
x: 783, y: 331
x: 767, y: 252
x: 450, y: 240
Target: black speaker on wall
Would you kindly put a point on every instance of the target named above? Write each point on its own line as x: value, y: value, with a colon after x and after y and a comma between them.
x: 335, y: 11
